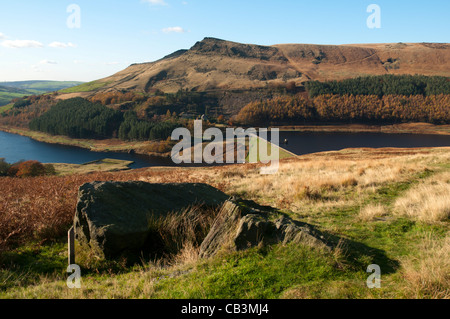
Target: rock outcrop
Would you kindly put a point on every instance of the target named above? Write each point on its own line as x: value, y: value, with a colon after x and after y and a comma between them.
x: 113, y: 217
x: 240, y: 226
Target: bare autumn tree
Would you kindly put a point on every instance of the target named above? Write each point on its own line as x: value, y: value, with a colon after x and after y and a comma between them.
x: 28, y: 169
x: 348, y: 109
x: 279, y: 109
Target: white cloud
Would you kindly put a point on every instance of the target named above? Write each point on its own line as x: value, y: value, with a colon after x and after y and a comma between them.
x: 155, y: 2
x: 2, y: 36
x: 21, y: 44
x: 62, y: 45
x: 174, y: 30
x: 36, y: 69
x: 48, y: 62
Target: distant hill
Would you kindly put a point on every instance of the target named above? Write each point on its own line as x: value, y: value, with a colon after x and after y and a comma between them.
x: 218, y: 65
x: 12, y: 90
x: 41, y: 86
x: 9, y: 93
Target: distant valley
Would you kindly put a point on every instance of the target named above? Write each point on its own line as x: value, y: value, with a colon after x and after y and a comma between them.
x: 13, y: 90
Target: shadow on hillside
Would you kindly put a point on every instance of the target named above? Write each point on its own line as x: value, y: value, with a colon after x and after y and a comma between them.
x: 357, y: 255
x: 360, y: 256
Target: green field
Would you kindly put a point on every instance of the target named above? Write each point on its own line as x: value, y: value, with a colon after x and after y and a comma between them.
x: 9, y: 93
x: 85, y: 87
x: 13, y: 90
x: 41, y: 86
x: 5, y: 97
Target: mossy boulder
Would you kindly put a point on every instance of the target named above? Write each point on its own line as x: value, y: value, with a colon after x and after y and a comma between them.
x: 242, y: 225
x: 113, y: 218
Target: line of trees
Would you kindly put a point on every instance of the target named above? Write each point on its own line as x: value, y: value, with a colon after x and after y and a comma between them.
x: 390, y: 108
x: 277, y: 110
x: 347, y: 109
x: 79, y: 118
x: 133, y: 128
x: 382, y: 85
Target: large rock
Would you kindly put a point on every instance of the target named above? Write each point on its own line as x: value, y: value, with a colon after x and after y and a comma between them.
x: 242, y: 224
x: 113, y: 217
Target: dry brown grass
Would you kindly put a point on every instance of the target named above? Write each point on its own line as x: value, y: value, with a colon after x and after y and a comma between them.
x: 371, y: 212
x: 429, y: 201
x: 322, y: 180
x: 43, y: 207
x: 180, y: 234
x: 428, y: 271
x: 105, y: 165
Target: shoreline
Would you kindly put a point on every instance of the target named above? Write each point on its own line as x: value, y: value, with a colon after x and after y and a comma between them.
x: 116, y: 145
x: 404, y: 128
x: 102, y: 146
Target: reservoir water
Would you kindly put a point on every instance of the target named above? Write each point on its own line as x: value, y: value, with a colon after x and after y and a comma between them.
x: 15, y: 147
x: 306, y: 143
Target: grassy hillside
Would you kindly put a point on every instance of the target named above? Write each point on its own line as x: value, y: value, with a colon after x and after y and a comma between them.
x: 235, y: 74
x: 388, y: 207
x: 84, y: 87
x: 214, y: 64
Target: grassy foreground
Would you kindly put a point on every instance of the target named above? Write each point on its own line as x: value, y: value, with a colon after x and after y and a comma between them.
x: 388, y: 207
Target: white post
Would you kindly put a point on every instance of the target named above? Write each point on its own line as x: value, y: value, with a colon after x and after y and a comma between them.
x: 71, y: 245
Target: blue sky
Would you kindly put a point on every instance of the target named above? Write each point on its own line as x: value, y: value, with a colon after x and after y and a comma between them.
x: 37, y: 44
